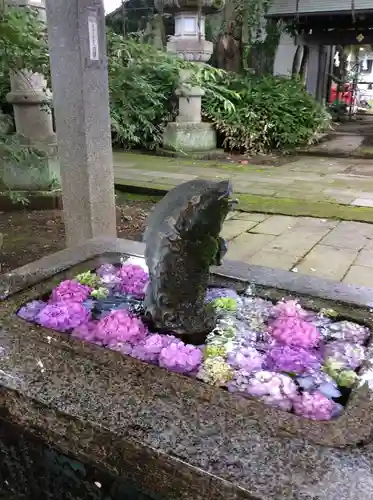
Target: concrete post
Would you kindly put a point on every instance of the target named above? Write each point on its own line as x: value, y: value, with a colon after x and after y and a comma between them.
x: 30, y: 98
x: 77, y: 45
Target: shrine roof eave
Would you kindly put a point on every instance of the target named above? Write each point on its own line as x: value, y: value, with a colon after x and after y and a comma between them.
x: 309, y: 15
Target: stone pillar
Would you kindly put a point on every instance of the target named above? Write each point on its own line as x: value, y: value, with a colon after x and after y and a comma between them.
x: 188, y: 132
x: 77, y: 46
x: 30, y: 98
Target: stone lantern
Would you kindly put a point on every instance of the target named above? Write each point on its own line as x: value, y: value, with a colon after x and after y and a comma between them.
x: 188, y: 132
x: 30, y: 97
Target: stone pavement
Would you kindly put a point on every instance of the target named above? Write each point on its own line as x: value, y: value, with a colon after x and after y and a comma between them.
x: 337, y: 250
x: 306, y: 180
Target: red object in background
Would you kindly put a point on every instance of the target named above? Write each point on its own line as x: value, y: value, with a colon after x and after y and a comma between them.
x: 346, y: 94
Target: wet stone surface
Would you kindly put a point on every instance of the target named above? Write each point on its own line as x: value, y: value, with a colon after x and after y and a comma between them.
x: 174, y: 436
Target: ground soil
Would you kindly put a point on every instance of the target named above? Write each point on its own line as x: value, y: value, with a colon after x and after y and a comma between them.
x: 29, y: 235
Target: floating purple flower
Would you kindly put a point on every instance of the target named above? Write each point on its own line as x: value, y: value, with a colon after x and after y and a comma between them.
x: 119, y: 326
x: 348, y: 332
x: 314, y: 406
x: 181, y: 358
x: 288, y: 308
x: 105, y: 269
x: 274, y: 389
x: 63, y: 316
x: 254, y: 306
x: 292, y: 359
x: 30, y: 310
x: 70, y: 291
x: 221, y: 293
x: 321, y: 382
x: 150, y: 349
x: 133, y: 280
x: 347, y: 354
x: 86, y: 331
x: 294, y: 331
x: 110, y: 281
x: 247, y: 359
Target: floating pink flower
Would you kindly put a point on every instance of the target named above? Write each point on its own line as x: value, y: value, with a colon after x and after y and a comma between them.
x: 294, y: 331
x: 70, y: 291
x: 119, y: 326
x: 122, y: 347
x: 181, y: 358
x: 288, y: 308
x: 347, y: 354
x: 30, y: 310
x: 314, y: 406
x: 63, y: 316
x: 274, y: 389
x: 150, y: 349
x: 86, y: 331
x: 246, y: 358
x: 133, y: 280
x: 292, y: 359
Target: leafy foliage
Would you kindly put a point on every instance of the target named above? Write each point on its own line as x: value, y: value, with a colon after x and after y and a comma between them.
x: 142, y: 81
x: 268, y: 113
x: 251, y: 113
x: 23, y: 43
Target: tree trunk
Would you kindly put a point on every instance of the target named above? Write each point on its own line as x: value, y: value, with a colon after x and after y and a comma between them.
x: 304, y: 61
x: 296, y: 65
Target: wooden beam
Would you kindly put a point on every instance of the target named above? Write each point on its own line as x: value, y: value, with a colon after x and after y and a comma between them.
x: 336, y: 37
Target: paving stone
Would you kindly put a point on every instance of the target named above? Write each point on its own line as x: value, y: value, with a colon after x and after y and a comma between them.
x: 249, y: 216
x: 362, y: 202
x: 276, y: 224
x: 343, y: 192
x: 364, y: 258
x: 246, y: 245
x: 273, y: 259
x: 315, y: 224
x: 233, y: 228
x: 349, y: 236
x: 327, y: 262
x: 294, y: 242
x: 359, y: 275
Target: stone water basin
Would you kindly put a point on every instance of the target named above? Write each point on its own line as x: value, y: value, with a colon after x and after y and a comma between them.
x: 69, y: 392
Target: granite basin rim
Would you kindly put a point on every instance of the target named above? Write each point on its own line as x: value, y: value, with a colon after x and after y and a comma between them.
x: 353, y: 427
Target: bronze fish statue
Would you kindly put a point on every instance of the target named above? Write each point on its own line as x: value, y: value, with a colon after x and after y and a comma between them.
x: 182, y: 242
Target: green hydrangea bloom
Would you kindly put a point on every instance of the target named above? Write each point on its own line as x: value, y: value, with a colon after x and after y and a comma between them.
x: 213, y: 351
x: 226, y: 304
x: 216, y: 371
x: 100, y: 293
x: 88, y: 278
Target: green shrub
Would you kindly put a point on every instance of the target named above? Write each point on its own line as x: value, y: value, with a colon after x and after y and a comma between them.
x: 252, y: 114
x: 267, y: 113
x: 142, y: 81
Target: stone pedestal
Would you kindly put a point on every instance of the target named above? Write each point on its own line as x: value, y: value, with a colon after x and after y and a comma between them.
x: 77, y: 45
x: 188, y: 132
x: 32, y: 108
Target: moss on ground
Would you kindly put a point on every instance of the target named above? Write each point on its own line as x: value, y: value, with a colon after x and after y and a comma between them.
x: 162, y: 163
x: 297, y: 207
x: 269, y: 204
